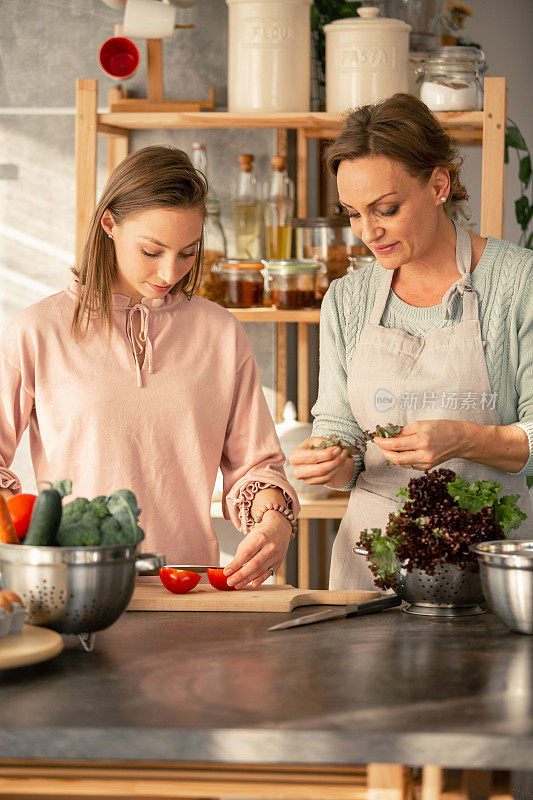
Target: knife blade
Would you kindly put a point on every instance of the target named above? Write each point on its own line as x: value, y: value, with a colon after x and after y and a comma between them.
x: 353, y: 610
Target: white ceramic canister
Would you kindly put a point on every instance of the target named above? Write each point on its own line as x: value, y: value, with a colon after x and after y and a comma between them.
x: 367, y: 59
x: 269, y: 55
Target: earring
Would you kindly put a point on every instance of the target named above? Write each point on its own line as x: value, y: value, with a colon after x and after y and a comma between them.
x: 443, y: 199
x: 109, y: 235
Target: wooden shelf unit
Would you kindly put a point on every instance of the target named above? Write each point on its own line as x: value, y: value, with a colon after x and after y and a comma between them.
x: 485, y: 128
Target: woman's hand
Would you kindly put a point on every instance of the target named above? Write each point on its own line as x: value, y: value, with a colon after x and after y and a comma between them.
x: 331, y: 466
x: 264, y: 547
x: 424, y: 444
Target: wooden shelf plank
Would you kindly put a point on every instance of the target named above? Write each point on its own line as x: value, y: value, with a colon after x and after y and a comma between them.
x: 275, y: 315
x: 331, y: 508
x: 317, y: 120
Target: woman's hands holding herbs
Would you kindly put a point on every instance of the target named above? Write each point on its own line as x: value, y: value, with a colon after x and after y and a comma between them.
x: 423, y: 444
x: 322, y: 461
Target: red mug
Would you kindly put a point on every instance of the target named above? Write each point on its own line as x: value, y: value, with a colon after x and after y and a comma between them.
x: 119, y: 57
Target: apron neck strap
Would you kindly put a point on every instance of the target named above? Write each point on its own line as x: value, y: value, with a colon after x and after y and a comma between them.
x: 381, y: 298
x: 463, y: 257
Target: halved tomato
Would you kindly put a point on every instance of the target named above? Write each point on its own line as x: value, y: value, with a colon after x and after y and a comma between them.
x: 178, y: 581
x: 217, y: 579
x: 20, y: 507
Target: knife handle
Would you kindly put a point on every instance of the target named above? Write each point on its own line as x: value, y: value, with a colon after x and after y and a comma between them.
x: 356, y: 609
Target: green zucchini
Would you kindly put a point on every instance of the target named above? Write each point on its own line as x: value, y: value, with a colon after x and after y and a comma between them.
x: 45, y: 519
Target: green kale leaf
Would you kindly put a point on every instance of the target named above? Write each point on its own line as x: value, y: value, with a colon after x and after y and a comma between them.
x: 123, y: 506
x: 474, y: 496
x: 507, y: 513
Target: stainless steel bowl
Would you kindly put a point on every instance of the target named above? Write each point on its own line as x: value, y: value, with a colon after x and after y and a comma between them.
x: 506, y: 568
x: 74, y: 589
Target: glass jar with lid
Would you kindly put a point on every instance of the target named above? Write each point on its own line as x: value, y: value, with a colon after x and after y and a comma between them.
x: 329, y: 239
x: 242, y: 282
x: 293, y: 283
x: 450, y: 78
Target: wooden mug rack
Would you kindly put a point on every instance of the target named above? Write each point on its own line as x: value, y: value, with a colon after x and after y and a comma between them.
x: 155, y: 91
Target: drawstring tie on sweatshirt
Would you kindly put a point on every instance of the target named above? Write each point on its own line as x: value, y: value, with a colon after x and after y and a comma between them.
x: 137, y: 342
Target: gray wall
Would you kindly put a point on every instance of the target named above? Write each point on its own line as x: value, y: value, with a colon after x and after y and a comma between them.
x: 46, y: 44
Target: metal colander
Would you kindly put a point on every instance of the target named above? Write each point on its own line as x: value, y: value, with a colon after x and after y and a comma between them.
x: 449, y: 592
x: 76, y: 590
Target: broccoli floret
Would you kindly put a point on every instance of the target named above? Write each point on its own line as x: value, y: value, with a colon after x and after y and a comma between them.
x: 80, y: 527
x: 78, y: 534
x: 112, y: 532
x: 98, y: 505
x: 74, y: 509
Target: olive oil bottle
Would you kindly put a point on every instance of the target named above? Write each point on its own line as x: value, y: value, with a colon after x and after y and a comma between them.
x: 278, y: 210
x: 247, y: 216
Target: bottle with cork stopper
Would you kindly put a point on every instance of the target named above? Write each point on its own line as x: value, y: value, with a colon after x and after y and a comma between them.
x: 278, y: 209
x: 247, y: 215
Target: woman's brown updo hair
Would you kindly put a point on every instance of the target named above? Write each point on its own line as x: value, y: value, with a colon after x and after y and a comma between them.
x: 404, y: 129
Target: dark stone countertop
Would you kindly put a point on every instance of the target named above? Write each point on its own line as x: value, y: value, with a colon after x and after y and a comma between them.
x: 218, y: 688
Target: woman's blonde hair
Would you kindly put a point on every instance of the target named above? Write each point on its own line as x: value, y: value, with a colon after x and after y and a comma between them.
x: 404, y: 129
x: 153, y: 177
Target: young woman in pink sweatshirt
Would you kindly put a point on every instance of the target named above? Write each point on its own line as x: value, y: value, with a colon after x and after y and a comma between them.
x: 128, y: 380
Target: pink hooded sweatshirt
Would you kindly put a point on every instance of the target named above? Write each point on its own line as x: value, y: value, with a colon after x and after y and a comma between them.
x: 95, y: 416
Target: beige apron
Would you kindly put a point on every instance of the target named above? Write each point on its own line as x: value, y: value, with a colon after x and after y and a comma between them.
x: 398, y: 378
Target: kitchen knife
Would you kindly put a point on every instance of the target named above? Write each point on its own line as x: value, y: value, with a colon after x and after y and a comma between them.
x: 354, y: 610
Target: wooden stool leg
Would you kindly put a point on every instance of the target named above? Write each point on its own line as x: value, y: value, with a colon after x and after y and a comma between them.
x: 304, y: 578
x: 431, y: 783
x: 386, y: 782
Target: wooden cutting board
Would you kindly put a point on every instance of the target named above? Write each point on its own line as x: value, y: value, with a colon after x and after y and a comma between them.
x: 30, y: 646
x: 154, y: 597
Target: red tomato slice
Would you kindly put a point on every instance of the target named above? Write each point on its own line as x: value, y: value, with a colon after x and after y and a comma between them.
x: 20, y: 507
x: 217, y: 579
x: 178, y: 581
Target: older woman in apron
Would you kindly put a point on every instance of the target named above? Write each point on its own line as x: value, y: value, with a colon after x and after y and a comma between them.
x: 435, y: 336
x: 401, y: 339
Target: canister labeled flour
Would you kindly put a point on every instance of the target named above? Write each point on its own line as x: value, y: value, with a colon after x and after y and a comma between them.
x: 269, y: 55
x: 367, y: 59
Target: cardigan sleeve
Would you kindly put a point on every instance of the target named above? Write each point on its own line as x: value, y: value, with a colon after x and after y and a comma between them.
x: 332, y: 411
x: 252, y: 454
x: 522, y: 342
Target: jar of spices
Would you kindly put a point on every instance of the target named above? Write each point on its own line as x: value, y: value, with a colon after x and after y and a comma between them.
x: 450, y: 79
x: 293, y: 283
x: 328, y: 239
x: 242, y: 282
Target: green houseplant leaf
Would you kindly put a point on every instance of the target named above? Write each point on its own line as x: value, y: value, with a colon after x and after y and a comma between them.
x: 524, y: 173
